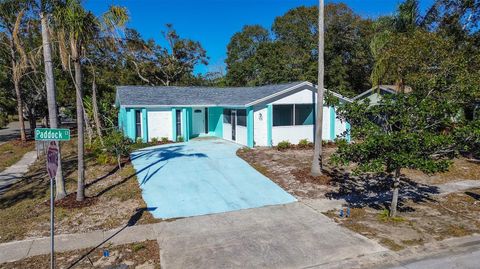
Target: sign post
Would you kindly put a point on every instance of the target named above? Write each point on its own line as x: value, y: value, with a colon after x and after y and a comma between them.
x: 52, y: 165
x: 53, y: 136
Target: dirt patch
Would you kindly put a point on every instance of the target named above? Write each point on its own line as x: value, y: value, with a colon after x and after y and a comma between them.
x: 113, y: 197
x: 453, y: 215
x: 290, y: 169
x: 123, y: 256
x: 461, y: 169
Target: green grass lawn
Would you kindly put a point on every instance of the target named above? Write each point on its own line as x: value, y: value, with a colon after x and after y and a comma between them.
x: 12, y: 151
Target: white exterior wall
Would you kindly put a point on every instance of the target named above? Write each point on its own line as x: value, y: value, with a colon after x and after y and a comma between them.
x: 294, y: 134
x: 227, y: 131
x: 159, y: 124
x: 260, y: 126
x: 241, y: 135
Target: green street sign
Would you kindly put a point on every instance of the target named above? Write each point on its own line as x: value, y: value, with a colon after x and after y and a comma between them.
x: 47, y: 134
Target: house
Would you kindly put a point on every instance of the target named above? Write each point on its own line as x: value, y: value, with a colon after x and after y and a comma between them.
x: 250, y: 116
x: 376, y: 93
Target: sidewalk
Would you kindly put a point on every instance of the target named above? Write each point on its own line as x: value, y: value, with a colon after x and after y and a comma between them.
x: 15, y: 172
x: 18, y: 250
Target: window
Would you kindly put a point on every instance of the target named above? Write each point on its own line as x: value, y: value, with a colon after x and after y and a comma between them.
x: 282, y: 115
x: 295, y: 114
x: 304, y: 114
x: 198, y: 111
x: 227, y: 114
x: 242, y: 117
x: 138, y: 123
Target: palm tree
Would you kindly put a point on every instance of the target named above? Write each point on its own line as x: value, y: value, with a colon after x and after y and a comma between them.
x: 78, y: 27
x: 11, y: 19
x: 51, y: 96
x: 317, y: 164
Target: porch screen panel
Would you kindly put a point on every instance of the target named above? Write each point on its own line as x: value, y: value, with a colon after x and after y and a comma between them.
x: 242, y: 117
x: 282, y: 115
x: 304, y: 114
x: 227, y: 116
x: 138, y: 123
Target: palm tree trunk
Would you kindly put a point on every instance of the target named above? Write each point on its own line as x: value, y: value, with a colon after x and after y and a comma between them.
x: 96, y: 117
x: 80, y: 121
x: 317, y: 164
x: 60, y: 191
x: 396, y: 187
x: 16, y: 85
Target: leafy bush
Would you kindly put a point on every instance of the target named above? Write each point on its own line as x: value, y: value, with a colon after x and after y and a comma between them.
x: 139, y: 140
x: 104, y: 158
x: 304, y: 143
x: 164, y: 139
x: 118, y: 145
x: 283, y: 145
x: 180, y: 139
x: 154, y: 140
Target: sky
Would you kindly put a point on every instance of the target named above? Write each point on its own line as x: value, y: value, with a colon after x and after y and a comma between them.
x: 214, y: 22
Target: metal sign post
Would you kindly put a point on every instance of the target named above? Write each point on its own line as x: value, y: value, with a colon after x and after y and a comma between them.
x: 52, y: 165
x: 53, y: 136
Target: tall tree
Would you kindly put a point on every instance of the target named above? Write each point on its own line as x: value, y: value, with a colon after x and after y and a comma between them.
x: 60, y: 192
x: 11, y: 23
x: 78, y: 26
x: 317, y: 164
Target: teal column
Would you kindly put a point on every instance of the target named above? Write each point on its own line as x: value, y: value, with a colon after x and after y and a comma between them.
x: 174, y: 124
x: 250, y: 140
x: 121, y: 119
x: 348, y: 127
x: 144, y: 125
x: 190, y: 121
x: 219, y: 128
x: 332, y: 123
x: 269, y: 124
x: 130, y: 128
x: 185, y: 125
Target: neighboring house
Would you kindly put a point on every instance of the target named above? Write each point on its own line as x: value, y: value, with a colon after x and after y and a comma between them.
x: 376, y: 93
x: 251, y: 116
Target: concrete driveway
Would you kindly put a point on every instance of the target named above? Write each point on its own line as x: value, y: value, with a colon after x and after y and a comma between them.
x: 201, y: 177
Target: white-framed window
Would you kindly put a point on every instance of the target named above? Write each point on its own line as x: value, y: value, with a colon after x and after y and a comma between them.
x: 293, y: 114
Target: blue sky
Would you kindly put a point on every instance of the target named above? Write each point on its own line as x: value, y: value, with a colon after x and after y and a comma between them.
x: 213, y: 22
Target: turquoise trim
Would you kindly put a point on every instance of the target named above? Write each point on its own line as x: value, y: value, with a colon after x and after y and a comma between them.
x: 190, y: 121
x: 215, y: 121
x: 184, y: 124
x: 174, y: 124
x: 269, y: 124
x: 348, y: 127
x: 130, y: 126
x: 332, y: 123
x: 144, y: 125
x: 122, y: 116
x: 250, y: 140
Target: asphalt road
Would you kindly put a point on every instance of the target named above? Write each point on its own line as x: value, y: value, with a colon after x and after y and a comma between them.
x: 12, y: 131
x: 469, y: 259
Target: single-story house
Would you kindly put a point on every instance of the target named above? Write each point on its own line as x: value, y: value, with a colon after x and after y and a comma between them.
x: 250, y: 116
x: 375, y: 94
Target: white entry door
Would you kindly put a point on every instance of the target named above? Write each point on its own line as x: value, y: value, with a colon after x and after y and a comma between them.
x: 198, y: 124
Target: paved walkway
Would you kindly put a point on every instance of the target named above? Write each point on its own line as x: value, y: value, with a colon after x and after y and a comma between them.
x: 14, y: 173
x: 201, y: 177
x: 287, y: 236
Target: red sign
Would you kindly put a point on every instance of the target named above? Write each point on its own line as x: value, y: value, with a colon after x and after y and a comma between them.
x: 52, y: 159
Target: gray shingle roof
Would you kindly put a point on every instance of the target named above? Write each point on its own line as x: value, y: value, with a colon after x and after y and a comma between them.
x: 196, y: 96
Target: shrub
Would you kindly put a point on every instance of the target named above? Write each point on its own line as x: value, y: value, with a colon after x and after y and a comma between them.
x: 164, y: 139
x: 304, y: 143
x: 139, y: 140
x: 283, y: 145
x: 103, y: 158
x: 180, y: 139
x: 154, y: 140
x: 118, y: 145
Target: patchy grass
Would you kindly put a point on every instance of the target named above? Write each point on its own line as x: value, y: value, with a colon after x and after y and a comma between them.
x: 113, y: 198
x: 12, y: 151
x: 423, y: 216
x: 453, y: 215
x: 135, y: 255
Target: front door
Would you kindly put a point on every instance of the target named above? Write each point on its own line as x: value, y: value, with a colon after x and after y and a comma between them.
x: 198, y: 122
x: 178, y: 120
x: 234, y: 124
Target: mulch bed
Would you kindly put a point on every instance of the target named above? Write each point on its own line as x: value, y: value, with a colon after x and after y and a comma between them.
x: 303, y: 175
x: 70, y: 202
